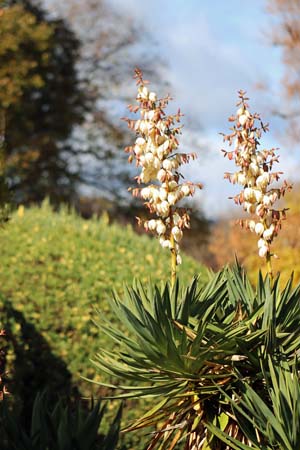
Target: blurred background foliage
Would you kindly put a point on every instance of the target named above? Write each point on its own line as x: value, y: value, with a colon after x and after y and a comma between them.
x: 285, y: 34
x: 228, y: 240
x: 41, y: 101
x: 59, y: 136
x: 4, y: 190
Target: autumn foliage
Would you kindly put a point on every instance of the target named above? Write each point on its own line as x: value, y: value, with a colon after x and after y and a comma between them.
x: 228, y: 240
x: 24, y: 45
x: 285, y: 34
x: 40, y: 100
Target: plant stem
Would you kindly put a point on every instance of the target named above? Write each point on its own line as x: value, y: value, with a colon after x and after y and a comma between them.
x: 269, y: 266
x: 173, y: 262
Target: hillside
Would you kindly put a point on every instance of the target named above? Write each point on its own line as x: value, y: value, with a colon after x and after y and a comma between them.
x: 56, y: 269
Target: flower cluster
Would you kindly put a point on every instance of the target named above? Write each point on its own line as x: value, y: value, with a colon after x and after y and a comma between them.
x: 155, y: 152
x: 255, y: 175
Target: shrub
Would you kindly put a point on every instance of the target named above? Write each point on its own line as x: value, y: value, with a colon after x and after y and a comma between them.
x: 58, y: 427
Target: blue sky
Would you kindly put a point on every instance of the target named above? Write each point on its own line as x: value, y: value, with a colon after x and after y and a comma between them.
x: 211, y: 50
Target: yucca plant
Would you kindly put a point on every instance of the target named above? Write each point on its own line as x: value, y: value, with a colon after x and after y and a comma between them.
x: 186, y: 344
x: 211, y: 358
x: 58, y: 427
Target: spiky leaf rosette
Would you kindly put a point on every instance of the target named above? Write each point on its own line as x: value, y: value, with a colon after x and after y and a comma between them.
x: 273, y: 423
x: 191, y: 349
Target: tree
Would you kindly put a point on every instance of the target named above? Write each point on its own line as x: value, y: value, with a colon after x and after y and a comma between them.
x: 19, y: 29
x: 228, y: 240
x: 41, y: 100
x: 285, y: 33
x: 112, y: 44
x: 63, y: 79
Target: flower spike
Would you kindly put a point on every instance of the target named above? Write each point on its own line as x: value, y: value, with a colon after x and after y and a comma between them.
x: 256, y: 176
x: 155, y: 152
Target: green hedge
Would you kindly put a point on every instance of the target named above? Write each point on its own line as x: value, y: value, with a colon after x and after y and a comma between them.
x: 56, y: 268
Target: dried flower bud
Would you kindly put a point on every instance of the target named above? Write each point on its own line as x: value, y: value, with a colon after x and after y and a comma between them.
x: 163, y: 194
x: 145, y: 193
x: 259, y: 228
x: 167, y: 164
x: 161, y: 228
x: 242, y: 119
x: 178, y: 260
x: 251, y: 225
x: 152, y: 225
x: 177, y: 233
x: 258, y: 195
x: 152, y: 97
x: 262, y: 252
x: 166, y: 243
x: 161, y: 175
x: 185, y: 189
x: 172, y: 198
x: 268, y: 233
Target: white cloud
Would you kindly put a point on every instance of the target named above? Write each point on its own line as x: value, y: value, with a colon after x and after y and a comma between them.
x: 205, y: 67
x: 211, y: 50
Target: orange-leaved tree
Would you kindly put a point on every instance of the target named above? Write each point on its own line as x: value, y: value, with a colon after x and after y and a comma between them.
x: 228, y: 240
x: 285, y: 34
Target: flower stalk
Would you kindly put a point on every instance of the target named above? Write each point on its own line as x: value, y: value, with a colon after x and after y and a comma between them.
x: 256, y: 175
x: 173, y: 261
x: 156, y: 153
x: 269, y: 266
